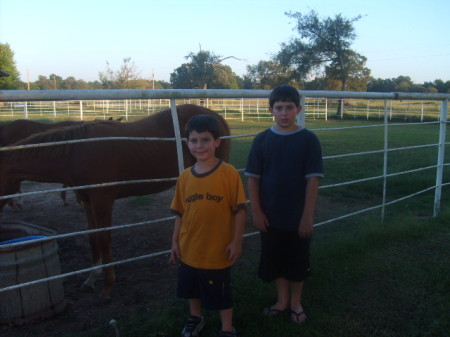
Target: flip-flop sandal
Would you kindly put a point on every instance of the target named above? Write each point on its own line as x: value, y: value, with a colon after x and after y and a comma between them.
x: 271, y: 311
x: 297, y: 315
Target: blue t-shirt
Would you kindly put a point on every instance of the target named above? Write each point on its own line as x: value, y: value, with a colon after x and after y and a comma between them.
x: 283, y: 161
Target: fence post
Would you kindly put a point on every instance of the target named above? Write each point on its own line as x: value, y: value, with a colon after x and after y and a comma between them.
x: 81, y: 110
x: 302, y: 114
x: 440, y: 161
x: 176, y: 129
x: 421, y: 115
x: 385, y: 159
x: 368, y: 107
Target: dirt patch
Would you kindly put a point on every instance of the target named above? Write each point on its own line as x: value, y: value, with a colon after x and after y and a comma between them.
x: 138, y: 283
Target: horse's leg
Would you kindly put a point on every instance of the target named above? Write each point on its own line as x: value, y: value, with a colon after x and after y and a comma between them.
x: 101, y: 207
x: 14, y: 204
x: 63, y: 196
x: 96, y: 257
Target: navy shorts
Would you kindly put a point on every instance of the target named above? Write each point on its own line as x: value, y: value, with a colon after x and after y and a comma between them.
x: 212, y: 286
x: 284, y: 254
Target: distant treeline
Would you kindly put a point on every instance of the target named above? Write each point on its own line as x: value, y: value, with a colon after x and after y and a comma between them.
x: 399, y: 84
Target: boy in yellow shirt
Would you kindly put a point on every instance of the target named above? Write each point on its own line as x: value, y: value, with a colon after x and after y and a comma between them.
x: 209, y: 205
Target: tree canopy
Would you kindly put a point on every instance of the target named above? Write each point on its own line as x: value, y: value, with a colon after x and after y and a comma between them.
x: 323, y: 50
x: 8, y: 65
x: 204, y: 70
x: 268, y: 75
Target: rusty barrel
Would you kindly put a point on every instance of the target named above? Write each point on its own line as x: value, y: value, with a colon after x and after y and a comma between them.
x: 28, y: 261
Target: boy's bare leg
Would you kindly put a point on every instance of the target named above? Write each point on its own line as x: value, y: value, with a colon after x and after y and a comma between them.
x: 226, y: 316
x: 282, y: 286
x: 296, y: 296
x: 296, y: 301
x: 195, y: 307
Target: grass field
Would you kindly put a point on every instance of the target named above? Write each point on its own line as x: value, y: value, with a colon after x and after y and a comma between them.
x: 368, y: 280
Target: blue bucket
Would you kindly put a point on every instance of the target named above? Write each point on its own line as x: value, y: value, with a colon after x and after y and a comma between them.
x: 24, y: 239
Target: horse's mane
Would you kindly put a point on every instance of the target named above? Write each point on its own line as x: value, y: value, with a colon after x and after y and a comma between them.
x: 72, y: 132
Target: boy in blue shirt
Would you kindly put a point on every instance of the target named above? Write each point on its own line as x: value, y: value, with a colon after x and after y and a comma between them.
x: 283, y: 169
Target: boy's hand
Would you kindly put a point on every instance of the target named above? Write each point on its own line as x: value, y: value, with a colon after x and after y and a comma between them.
x: 306, y: 227
x: 259, y: 220
x: 175, y: 254
x: 233, y: 251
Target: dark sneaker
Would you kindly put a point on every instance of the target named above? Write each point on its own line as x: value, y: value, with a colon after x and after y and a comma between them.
x: 193, y: 326
x: 228, y: 333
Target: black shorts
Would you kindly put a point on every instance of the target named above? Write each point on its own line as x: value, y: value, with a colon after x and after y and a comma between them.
x: 284, y: 254
x: 211, y: 286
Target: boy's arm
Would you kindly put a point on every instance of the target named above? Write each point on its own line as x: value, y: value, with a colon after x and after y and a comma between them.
x: 175, y: 251
x: 259, y: 218
x: 311, y: 193
x: 234, y: 249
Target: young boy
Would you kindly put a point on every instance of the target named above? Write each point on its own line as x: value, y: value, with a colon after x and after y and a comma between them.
x: 210, y: 213
x: 283, y: 170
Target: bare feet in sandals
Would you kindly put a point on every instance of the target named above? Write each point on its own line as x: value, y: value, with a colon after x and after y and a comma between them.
x: 298, y: 317
x: 272, y: 311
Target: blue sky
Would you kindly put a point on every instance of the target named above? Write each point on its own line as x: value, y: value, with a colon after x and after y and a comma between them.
x: 77, y: 38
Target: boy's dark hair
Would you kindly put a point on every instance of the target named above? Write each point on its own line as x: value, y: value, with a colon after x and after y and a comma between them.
x: 284, y: 93
x: 203, y: 123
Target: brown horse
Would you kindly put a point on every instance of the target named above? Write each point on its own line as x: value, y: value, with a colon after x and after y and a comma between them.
x: 19, y: 129
x: 97, y: 162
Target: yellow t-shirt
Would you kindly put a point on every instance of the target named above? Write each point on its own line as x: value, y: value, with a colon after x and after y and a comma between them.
x: 207, y: 204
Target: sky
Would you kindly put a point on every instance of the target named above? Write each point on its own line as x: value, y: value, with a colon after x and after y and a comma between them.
x: 78, y: 37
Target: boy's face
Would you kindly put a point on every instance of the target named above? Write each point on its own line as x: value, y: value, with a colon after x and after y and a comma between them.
x: 285, y: 114
x: 202, y: 145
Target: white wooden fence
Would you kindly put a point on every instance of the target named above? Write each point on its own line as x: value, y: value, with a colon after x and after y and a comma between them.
x: 175, y: 95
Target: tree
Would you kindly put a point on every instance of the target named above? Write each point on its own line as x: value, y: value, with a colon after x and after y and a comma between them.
x: 8, y: 65
x: 353, y: 76
x: 403, y: 84
x: 381, y: 85
x: 268, y: 75
x: 204, y: 71
x: 44, y: 83
x: 322, y: 43
x: 323, y: 48
x: 121, y: 79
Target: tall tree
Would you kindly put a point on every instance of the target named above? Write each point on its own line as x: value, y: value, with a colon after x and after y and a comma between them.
x: 8, y: 65
x: 322, y: 43
x: 323, y: 47
x: 204, y: 70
